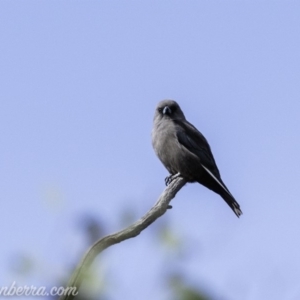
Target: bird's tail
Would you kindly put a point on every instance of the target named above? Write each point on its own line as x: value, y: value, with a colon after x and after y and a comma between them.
x: 232, y: 203
x: 224, y: 192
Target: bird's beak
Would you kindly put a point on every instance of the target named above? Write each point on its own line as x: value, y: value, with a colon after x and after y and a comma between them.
x: 167, y: 110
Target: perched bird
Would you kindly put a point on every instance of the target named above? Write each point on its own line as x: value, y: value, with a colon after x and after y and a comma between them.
x: 185, y: 152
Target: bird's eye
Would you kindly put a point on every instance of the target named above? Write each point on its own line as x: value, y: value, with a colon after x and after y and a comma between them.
x: 160, y: 109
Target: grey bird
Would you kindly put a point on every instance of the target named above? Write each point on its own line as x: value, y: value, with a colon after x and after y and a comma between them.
x: 185, y: 152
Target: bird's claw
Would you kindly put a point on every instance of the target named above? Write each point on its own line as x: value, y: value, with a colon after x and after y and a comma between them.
x: 170, y: 178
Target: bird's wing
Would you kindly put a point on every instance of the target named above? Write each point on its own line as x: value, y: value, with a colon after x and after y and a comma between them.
x: 195, y: 142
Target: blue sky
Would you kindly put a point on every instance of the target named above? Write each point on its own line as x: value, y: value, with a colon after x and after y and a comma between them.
x: 79, y: 84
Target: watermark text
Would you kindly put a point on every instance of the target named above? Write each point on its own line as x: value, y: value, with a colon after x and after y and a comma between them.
x: 26, y: 290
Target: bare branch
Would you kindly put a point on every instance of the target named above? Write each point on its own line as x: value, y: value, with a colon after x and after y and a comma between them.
x: 135, y: 229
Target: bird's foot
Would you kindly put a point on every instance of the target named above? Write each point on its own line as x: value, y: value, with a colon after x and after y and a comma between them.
x: 170, y: 178
x: 169, y: 206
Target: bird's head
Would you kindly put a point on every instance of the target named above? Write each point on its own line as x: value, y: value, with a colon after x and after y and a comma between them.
x: 169, y: 109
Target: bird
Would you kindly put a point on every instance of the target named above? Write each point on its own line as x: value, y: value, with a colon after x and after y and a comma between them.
x: 185, y: 152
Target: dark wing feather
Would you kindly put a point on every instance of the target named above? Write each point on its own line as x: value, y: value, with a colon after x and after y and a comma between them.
x: 196, y: 143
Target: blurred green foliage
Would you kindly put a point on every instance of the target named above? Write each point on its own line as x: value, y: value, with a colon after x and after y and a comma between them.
x: 95, y: 286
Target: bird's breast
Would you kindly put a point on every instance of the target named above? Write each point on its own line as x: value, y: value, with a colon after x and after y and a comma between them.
x: 172, y: 154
